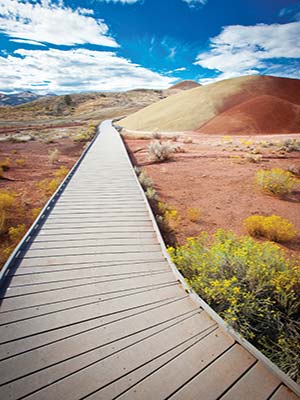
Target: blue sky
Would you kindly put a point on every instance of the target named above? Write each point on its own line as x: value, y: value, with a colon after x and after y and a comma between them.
x: 70, y: 46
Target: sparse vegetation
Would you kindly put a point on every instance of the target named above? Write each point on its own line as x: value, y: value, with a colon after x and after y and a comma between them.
x: 5, y: 164
x: 20, y: 162
x: 145, y: 180
x: 194, y: 214
x: 250, y: 284
x: 254, y: 158
x: 274, y: 228
x: 7, y: 201
x: 275, y: 181
x: 54, y: 156
x: 16, y: 233
x: 188, y: 140
x: 160, y: 151
x: 151, y: 194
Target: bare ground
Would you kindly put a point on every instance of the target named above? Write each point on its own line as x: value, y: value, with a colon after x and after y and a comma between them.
x: 212, y: 175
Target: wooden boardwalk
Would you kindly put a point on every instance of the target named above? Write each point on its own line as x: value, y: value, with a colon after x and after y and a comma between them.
x: 91, y: 309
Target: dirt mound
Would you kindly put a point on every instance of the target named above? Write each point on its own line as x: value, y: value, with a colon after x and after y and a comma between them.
x: 185, y: 85
x: 192, y: 109
x: 263, y: 114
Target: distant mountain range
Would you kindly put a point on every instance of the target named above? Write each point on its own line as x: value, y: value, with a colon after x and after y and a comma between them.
x: 19, y: 98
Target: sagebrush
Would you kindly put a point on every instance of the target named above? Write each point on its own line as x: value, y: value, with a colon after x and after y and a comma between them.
x: 272, y: 227
x: 252, y: 286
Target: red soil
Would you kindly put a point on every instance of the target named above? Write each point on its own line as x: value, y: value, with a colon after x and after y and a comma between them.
x: 222, y: 187
x: 263, y: 114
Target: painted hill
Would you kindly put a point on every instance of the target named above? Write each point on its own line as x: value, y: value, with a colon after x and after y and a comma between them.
x: 229, y: 106
x: 185, y: 85
x: 267, y: 114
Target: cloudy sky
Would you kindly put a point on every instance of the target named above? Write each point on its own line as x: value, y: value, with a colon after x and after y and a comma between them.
x: 68, y: 46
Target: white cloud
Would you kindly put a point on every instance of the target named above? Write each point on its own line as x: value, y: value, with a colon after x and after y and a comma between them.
x: 120, y: 1
x: 180, y: 69
x: 195, y: 3
x: 31, y: 42
x: 74, y: 70
x: 244, y: 50
x: 45, y: 21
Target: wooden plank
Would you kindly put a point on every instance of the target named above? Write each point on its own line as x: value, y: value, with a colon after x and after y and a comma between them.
x: 38, y: 245
x: 161, y: 383
x: 256, y: 384
x: 96, y: 230
x: 103, y: 368
x: 40, y: 296
x: 137, y: 235
x: 283, y: 393
x: 102, y: 257
x: 217, y: 377
x: 137, y: 300
x: 123, y: 266
x: 88, y: 341
x: 24, y: 290
x: 82, y: 250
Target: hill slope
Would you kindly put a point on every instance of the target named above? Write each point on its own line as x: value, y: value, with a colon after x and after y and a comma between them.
x: 267, y: 114
x: 193, y: 109
x: 185, y: 85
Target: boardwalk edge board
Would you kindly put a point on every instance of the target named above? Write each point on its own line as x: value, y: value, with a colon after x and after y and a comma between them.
x: 290, y: 383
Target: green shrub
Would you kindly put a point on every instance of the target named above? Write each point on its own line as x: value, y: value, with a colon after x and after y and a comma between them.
x: 276, y: 181
x: 251, y: 285
x: 274, y: 228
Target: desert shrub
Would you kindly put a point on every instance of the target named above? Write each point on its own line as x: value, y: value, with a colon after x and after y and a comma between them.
x: 160, y: 151
x: 61, y: 173
x: 156, y: 134
x: 35, y: 212
x: 275, y: 181
x: 274, y: 228
x: 48, y: 185
x: 7, y: 201
x: 151, y: 193
x: 145, y: 180
x: 137, y: 170
x: 1, y: 172
x: 294, y: 169
x: 171, y: 218
x: 16, y: 233
x: 194, y: 214
x: 87, y: 135
x: 251, y: 285
x: 187, y: 140
x: 290, y: 145
x: 53, y: 156
x: 254, y: 158
x: 20, y: 162
x: 5, y: 164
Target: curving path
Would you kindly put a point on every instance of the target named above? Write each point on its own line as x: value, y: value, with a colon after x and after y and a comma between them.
x: 91, y: 307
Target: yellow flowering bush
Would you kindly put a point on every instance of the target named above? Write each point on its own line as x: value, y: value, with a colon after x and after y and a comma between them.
x: 16, y: 233
x: 193, y: 214
x: 7, y: 201
x: 275, y: 181
x: 171, y: 218
x: 274, y: 228
x: 250, y: 284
